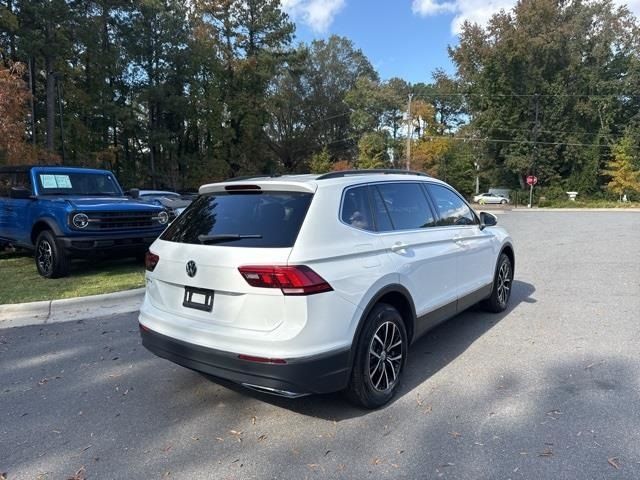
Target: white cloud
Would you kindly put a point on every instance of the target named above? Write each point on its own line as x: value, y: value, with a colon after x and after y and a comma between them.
x: 317, y: 14
x: 480, y: 11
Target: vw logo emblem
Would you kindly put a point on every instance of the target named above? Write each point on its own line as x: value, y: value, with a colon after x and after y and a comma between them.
x: 192, y: 269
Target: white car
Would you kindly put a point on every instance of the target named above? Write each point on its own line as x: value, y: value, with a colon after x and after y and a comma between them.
x: 485, y: 198
x: 317, y: 283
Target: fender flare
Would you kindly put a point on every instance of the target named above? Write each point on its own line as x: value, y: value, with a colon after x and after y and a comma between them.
x: 50, y: 222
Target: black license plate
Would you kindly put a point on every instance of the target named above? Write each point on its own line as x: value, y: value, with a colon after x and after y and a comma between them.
x: 198, y: 298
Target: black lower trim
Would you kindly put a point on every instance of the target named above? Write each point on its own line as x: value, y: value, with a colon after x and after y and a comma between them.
x: 432, y: 319
x: 317, y: 374
x: 91, y: 245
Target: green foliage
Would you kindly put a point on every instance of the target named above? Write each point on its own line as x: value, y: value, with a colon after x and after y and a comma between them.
x: 321, y: 162
x: 372, y: 151
x: 625, y: 177
x: 552, y: 85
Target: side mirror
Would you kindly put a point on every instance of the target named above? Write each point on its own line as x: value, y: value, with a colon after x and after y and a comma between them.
x: 134, y: 193
x: 487, y: 220
x: 21, y: 193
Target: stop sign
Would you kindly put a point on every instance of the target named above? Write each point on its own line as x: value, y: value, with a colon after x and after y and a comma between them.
x: 532, y: 180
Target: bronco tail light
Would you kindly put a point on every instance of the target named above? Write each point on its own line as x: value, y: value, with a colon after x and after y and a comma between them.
x: 292, y: 280
x: 150, y: 261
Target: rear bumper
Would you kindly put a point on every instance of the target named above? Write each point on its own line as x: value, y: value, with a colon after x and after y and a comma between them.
x: 86, y: 246
x: 328, y: 372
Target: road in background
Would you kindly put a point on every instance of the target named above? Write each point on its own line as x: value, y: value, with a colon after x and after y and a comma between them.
x: 549, y: 390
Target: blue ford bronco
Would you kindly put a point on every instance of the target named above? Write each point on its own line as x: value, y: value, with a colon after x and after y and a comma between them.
x: 63, y: 213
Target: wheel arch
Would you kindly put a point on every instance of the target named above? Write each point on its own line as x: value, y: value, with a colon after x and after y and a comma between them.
x: 507, y: 249
x: 398, y: 297
x: 43, y: 224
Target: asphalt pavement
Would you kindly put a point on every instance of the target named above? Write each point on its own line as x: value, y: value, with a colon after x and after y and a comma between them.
x: 548, y: 390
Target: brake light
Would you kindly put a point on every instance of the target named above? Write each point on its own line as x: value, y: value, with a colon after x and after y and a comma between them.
x: 292, y: 280
x: 150, y: 261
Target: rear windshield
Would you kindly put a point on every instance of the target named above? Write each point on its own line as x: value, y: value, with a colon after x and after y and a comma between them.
x: 271, y: 219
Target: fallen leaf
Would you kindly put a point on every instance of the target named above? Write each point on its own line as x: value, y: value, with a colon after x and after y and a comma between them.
x: 262, y: 437
x: 253, y: 420
x: 547, y: 452
x: 84, y: 449
x: 79, y: 475
x: 613, y: 461
x: 3, y: 476
x: 195, y: 439
x: 479, y: 444
x: 220, y: 439
x: 313, y: 465
x: 376, y: 461
x: 448, y: 464
x: 327, y: 453
x: 167, y: 448
x: 455, y: 434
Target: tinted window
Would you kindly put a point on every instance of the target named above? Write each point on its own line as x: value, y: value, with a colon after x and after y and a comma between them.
x: 451, y: 208
x: 407, y: 205
x: 380, y: 212
x: 355, y: 208
x: 274, y: 216
x: 22, y: 179
x: 5, y: 184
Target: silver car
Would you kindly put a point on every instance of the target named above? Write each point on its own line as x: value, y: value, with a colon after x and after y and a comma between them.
x: 485, y: 198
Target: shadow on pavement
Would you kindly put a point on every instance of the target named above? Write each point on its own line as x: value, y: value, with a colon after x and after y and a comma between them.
x: 427, y: 356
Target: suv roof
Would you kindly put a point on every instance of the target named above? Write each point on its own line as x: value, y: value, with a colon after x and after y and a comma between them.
x: 312, y: 181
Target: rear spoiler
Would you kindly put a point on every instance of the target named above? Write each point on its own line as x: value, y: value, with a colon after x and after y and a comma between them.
x: 257, y: 185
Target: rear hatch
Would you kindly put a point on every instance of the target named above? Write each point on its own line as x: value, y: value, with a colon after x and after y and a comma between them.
x: 197, y: 275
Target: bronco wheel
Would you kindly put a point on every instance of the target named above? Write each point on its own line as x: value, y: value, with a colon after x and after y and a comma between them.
x: 51, y: 260
x: 381, y: 354
x: 502, y: 284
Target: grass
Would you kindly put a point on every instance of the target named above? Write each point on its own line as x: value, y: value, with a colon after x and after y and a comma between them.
x: 22, y: 283
x: 587, y: 204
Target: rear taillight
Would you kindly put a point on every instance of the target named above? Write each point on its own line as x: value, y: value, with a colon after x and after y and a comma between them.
x: 292, y: 280
x: 150, y: 261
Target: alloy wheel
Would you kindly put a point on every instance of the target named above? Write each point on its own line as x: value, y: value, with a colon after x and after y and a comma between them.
x: 385, y: 357
x: 45, y: 256
x: 504, y: 283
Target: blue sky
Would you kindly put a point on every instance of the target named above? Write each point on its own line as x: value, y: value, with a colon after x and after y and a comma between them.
x: 397, y: 42
x: 401, y: 38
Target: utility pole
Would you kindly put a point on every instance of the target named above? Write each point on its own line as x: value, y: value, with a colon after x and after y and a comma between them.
x: 535, y: 147
x: 409, y: 133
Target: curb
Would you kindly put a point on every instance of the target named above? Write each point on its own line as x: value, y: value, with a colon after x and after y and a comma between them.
x: 69, y: 309
x: 571, y: 209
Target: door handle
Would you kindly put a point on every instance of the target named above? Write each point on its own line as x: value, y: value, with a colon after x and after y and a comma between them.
x: 399, y: 247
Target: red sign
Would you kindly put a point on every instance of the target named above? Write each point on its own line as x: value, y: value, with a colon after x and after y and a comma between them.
x: 531, y: 180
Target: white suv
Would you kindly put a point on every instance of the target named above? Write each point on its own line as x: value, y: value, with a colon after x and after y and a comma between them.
x: 311, y: 284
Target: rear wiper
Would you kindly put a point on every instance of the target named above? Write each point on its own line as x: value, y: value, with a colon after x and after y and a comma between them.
x: 225, y: 237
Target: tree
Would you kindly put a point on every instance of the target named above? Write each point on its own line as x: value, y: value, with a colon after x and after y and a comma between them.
x: 13, y: 111
x: 549, y: 81
x: 625, y: 177
x: 372, y: 151
x: 321, y: 162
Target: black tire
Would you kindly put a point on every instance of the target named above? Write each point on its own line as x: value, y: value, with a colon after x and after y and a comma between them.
x: 51, y: 260
x: 503, y: 202
x: 366, y: 384
x: 502, y: 286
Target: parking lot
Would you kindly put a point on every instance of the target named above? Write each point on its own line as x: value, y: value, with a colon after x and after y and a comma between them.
x: 550, y: 389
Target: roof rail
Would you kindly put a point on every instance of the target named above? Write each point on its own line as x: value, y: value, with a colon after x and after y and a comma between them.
x: 383, y: 171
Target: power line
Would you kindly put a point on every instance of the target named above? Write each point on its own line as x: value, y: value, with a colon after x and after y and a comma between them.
x: 524, y: 142
x: 529, y: 95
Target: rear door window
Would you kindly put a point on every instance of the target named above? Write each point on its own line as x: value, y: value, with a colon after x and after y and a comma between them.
x: 356, y: 210
x: 407, y: 205
x: 242, y: 219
